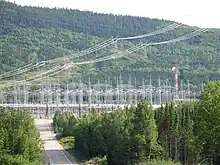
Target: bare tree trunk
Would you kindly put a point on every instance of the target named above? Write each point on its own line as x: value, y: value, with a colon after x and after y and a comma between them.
x: 170, y: 148
x: 185, y: 153
x: 176, y: 150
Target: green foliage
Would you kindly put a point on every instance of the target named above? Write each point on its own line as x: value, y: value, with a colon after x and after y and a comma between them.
x: 189, y: 132
x: 96, y: 161
x: 64, y: 123
x: 145, y: 132
x: 115, y: 136
x: 208, y: 122
x: 102, y: 25
x: 157, y: 162
x: 29, y: 34
x: 176, y: 134
x: 185, y: 132
x: 19, y: 139
x: 16, y: 160
x: 67, y: 142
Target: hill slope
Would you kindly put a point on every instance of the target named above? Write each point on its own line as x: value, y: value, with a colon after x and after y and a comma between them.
x: 28, y: 34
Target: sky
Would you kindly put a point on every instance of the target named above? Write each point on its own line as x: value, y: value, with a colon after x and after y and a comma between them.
x: 201, y: 13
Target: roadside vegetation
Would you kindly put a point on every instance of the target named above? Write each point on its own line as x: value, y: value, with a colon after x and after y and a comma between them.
x: 20, y: 143
x: 186, y: 133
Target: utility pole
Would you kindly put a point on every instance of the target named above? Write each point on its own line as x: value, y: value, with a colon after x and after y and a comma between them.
x: 130, y: 90
x: 120, y: 86
x: 150, y: 85
x: 117, y: 94
x: 15, y: 95
x: 143, y: 89
x: 105, y: 93
x: 189, y: 96
x: 182, y: 92
x: 135, y: 94
x: 90, y: 95
x: 159, y: 91
x: 80, y: 97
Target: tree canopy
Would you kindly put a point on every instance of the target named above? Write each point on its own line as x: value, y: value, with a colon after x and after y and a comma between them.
x: 20, y: 142
x: 186, y: 133
x: 30, y: 34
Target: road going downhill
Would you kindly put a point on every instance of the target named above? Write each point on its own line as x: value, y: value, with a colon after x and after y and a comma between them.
x: 54, y: 152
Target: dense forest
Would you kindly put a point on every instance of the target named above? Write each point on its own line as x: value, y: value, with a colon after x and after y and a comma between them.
x: 185, y: 133
x: 20, y: 142
x: 31, y: 34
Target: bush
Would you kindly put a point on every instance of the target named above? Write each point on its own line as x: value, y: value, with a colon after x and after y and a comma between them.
x: 16, y: 160
x: 113, y: 134
x: 19, y: 141
x: 156, y: 162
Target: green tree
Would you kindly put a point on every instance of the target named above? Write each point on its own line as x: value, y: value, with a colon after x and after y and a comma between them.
x: 208, y: 122
x: 19, y: 139
x: 145, y: 132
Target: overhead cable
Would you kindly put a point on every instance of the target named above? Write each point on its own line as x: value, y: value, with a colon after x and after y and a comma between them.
x: 131, y: 50
x: 90, y: 50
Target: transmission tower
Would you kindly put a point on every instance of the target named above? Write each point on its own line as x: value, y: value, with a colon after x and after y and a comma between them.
x: 175, y: 70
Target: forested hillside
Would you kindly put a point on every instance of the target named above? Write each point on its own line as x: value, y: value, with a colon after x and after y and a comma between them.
x: 30, y: 34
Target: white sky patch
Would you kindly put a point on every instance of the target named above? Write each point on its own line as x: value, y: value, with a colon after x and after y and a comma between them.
x: 202, y: 13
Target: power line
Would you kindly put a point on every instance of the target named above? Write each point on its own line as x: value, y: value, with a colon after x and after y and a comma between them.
x: 95, y: 48
x: 128, y: 51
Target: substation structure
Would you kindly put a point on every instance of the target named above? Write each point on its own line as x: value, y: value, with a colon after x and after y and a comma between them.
x: 80, y: 98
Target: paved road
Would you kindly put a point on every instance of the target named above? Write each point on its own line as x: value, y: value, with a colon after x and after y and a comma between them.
x: 54, y: 152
